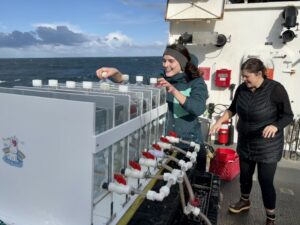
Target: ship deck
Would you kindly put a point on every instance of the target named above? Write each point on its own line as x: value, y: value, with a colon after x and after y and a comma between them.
x: 287, y: 185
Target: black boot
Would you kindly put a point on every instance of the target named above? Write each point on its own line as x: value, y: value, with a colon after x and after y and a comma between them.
x: 270, y: 219
x: 241, y: 205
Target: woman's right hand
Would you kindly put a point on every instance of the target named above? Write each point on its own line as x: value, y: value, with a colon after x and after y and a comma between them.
x: 215, y: 128
x: 105, y: 72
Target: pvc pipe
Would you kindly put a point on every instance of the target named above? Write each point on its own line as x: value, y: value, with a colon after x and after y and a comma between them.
x: 189, y: 187
x: 182, y: 198
x: 159, y: 177
x: 174, y: 159
x: 178, y: 150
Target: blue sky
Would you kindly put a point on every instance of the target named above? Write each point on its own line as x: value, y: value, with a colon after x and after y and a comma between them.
x: 82, y: 28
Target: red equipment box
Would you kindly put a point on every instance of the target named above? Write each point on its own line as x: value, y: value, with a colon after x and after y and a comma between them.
x: 225, y: 164
x: 222, y: 78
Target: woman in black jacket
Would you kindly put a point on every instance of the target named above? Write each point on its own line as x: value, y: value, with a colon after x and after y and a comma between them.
x: 264, y: 109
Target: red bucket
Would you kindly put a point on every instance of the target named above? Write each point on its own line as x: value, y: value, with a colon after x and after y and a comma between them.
x: 225, y: 154
x: 225, y: 164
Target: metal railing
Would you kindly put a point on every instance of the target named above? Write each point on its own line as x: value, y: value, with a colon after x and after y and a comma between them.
x: 291, y: 140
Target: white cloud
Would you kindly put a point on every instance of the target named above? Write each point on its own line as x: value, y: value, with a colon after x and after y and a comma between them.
x: 70, y: 26
x: 57, y: 40
x: 117, y: 39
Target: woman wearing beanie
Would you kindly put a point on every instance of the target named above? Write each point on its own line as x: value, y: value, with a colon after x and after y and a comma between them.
x: 187, y: 91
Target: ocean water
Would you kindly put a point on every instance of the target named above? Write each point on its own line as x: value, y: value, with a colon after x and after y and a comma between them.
x: 23, y: 71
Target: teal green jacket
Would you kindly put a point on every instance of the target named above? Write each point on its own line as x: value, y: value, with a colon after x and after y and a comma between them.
x: 183, y: 119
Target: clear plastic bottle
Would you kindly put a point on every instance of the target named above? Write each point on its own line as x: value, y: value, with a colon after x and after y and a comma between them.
x: 125, y: 78
x: 70, y: 84
x: 53, y: 83
x: 37, y: 83
x: 153, y: 81
x: 104, y: 83
x: 139, y: 80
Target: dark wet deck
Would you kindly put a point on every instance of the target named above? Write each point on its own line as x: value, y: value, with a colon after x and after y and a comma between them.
x: 287, y: 183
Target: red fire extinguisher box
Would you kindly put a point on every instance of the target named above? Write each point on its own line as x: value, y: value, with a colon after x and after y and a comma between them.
x: 222, y: 78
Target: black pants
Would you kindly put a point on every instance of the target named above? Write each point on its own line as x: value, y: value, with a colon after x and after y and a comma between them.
x: 265, y: 172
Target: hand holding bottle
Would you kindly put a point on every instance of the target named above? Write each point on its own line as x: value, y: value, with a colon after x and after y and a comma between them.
x: 106, y: 72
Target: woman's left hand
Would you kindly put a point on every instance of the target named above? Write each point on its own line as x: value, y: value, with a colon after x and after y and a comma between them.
x: 269, y: 131
x: 161, y: 82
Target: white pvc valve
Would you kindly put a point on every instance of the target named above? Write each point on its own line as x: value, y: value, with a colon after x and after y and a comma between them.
x: 87, y: 85
x: 134, y: 173
x: 52, y: 83
x: 70, y: 84
x: 173, y: 139
x: 37, y: 83
x: 123, y: 88
x: 164, y: 145
x: 139, y: 78
x: 153, y: 80
x: 119, y: 188
x: 157, y: 153
x: 148, y: 162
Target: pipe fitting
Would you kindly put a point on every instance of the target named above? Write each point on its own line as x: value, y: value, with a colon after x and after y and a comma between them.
x: 119, y: 188
x: 191, y: 209
x: 148, y: 162
x: 165, y: 190
x: 173, y: 139
x: 192, y: 156
x: 134, y: 173
x: 164, y: 145
x: 157, y: 153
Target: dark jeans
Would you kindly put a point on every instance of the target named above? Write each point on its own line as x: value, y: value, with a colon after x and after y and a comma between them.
x: 265, y: 172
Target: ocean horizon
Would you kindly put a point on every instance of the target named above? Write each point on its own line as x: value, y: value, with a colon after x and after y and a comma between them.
x: 21, y: 71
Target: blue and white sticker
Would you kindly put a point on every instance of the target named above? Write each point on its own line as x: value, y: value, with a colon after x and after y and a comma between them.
x: 12, y: 154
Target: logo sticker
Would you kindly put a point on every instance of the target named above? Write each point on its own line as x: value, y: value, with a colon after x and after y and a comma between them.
x: 12, y: 154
